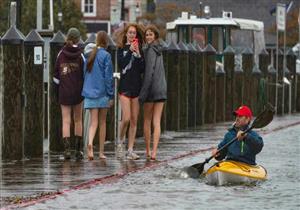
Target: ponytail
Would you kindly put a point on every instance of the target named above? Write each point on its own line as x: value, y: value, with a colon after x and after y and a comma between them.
x: 92, y: 59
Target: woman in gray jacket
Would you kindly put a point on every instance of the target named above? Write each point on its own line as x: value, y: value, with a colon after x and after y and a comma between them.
x: 154, y: 89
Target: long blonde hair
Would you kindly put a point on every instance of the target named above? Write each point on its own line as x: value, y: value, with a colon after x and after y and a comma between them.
x: 122, y: 39
x: 101, y: 41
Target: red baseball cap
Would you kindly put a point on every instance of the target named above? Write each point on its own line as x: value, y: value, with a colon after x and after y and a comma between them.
x: 243, y: 111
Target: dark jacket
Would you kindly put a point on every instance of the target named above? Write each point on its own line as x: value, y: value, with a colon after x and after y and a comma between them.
x: 245, y: 150
x: 69, y: 75
x: 131, y: 69
x: 154, y: 85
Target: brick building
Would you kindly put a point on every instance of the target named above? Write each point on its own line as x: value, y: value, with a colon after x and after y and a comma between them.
x: 132, y: 10
x: 96, y: 14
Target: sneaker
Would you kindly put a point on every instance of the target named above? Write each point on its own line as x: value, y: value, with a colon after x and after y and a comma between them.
x: 132, y: 156
x: 120, y: 150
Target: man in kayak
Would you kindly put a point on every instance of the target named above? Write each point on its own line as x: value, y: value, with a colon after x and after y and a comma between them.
x: 247, y: 146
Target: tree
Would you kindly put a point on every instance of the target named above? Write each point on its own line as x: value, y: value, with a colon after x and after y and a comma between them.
x: 4, y: 19
x: 72, y: 16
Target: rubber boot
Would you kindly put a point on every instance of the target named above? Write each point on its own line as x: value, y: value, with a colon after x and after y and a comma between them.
x: 67, y: 152
x: 79, y: 147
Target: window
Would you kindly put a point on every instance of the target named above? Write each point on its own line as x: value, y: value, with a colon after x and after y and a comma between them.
x: 88, y: 8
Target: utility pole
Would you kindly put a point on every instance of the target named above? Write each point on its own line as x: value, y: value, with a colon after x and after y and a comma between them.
x: 12, y: 14
x: 39, y: 15
x: 19, y: 13
x: 51, y: 25
x: 122, y: 10
x: 60, y: 15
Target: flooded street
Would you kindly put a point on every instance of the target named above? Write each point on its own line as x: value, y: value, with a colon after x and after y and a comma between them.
x: 165, y: 188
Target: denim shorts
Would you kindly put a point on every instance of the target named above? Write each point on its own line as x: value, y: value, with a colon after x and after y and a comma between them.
x: 101, y: 102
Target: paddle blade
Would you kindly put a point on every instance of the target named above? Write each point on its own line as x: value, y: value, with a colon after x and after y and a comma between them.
x: 264, y: 118
x: 199, y: 167
x: 191, y: 172
x: 195, y: 170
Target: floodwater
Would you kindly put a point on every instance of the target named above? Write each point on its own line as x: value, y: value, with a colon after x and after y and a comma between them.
x: 165, y: 188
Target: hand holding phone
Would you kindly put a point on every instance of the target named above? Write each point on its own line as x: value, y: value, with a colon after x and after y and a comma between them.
x: 136, y: 41
x: 135, y: 44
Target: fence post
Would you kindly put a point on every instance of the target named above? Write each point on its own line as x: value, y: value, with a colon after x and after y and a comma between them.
x: 263, y: 83
x: 280, y: 108
x: 286, y: 87
x: 165, y: 59
x: 192, y: 86
x: 199, y: 86
x: 1, y: 101
x: 229, y: 74
x: 291, y: 65
x: 271, y: 80
x: 34, y: 91
x: 220, y: 94
x: 298, y: 92
x: 238, y: 82
x: 54, y: 116
x: 209, y: 84
x: 256, y: 90
x: 110, y: 129
x: 183, y: 91
x: 173, y: 87
x: 247, y: 64
x: 13, y: 99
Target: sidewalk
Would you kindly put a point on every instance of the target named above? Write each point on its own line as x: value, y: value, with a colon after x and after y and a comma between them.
x: 39, y: 179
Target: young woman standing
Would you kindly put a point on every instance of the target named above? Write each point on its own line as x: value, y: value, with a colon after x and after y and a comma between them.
x: 98, y: 90
x: 154, y: 90
x: 69, y: 78
x: 131, y: 64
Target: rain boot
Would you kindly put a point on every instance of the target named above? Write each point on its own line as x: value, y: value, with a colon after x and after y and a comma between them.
x: 79, y: 147
x: 67, y: 152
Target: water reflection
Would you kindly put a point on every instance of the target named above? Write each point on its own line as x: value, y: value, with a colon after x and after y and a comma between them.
x: 164, y: 187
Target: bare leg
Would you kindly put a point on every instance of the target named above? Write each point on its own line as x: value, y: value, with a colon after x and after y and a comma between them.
x: 66, y: 120
x: 78, y: 119
x: 66, y: 123
x: 92, y: 131
x: 125, y: 106
x: 157, y: 112
x: 102, y: 132
x: 148, y: 113
x: 134, y: 106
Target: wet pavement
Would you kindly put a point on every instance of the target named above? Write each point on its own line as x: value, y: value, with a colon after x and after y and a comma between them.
x: 122, y: 182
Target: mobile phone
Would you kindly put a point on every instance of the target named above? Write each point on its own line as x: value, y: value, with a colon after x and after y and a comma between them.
x: 135, y: 40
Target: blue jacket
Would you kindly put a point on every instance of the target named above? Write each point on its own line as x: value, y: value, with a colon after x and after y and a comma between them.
x: 99, y: 81
x: 245, y: 150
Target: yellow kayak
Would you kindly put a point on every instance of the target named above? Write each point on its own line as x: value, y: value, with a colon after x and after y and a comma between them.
x: 233, y: 172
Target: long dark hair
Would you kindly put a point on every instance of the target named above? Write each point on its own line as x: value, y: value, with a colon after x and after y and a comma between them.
x: 101, y: 41
x: 122, y: 39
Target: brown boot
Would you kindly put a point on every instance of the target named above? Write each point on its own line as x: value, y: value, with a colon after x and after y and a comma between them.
x: 67, y: 152
x: 79, y: 147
